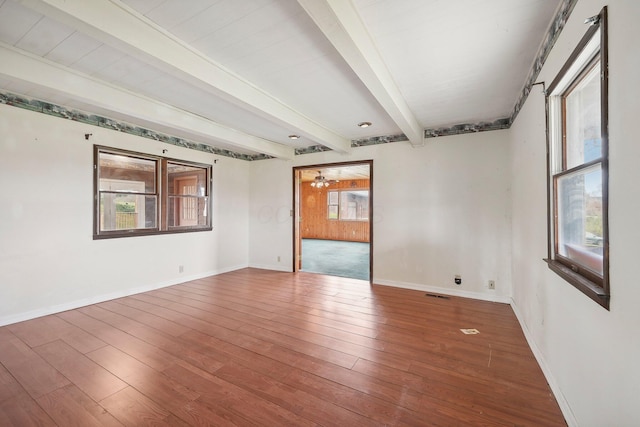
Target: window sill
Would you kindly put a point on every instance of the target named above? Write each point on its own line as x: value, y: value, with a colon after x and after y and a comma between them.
x: 586, y: 286
x: 152, y: 232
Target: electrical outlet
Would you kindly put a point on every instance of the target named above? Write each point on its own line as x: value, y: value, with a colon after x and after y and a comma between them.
x: 492, y: 284
x: 181, y: 269
x: 457, y: 279
x: 278, y: 258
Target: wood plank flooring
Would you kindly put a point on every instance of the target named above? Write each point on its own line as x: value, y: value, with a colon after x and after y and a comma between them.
x: 256, y: 347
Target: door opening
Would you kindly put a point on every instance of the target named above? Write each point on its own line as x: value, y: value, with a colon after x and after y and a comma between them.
x: 333, y: 208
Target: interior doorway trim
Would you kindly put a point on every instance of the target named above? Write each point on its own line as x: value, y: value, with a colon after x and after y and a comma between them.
x: 297, y: 172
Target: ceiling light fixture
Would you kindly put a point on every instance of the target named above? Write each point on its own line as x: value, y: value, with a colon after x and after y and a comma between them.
x: 364, y: 124
x: 320, y: 181
x: 294, y: 136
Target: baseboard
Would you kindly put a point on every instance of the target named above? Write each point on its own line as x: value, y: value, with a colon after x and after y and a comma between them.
x: 553, y: 384
x: 273, y: 267
x: 32, y: 314
x: 446, y: 291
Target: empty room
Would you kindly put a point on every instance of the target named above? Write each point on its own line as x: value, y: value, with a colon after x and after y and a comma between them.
x: 319, y: 212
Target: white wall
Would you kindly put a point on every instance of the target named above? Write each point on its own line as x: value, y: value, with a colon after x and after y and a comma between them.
x: 270, y: 221
x: 590, y: 354
x: 439, y: 210
x: 48, y: 259
x: 473, y: 205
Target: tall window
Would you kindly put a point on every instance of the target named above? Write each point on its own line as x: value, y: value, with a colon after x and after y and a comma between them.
x: 578, y: 166
x: 139, y: 194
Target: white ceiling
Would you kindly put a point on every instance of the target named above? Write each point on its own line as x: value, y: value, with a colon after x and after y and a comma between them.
x: 243, y: 75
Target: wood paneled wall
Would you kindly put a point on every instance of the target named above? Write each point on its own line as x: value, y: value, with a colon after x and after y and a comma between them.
x: 314, y: 214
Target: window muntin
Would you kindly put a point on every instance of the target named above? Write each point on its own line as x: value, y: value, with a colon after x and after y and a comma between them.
x: 142, y: 194
x: 578, y: 166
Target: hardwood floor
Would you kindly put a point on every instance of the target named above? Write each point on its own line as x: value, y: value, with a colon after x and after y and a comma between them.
x: 255, y: 347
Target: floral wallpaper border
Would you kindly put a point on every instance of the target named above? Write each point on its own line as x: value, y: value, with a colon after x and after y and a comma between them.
x: 558, y: 23
x: 468, y: 128
x: 374, y: 140
x: 95, y: 120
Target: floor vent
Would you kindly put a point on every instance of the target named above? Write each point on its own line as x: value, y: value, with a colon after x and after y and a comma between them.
x: 437, y: 296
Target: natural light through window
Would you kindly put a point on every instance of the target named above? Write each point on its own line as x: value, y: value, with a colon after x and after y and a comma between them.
x: 348, y: 205
x: 143, y: 194
x: 578, y: 166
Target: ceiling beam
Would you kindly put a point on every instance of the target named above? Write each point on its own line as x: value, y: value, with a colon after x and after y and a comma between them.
x: 341, y: 24
x: 35, y: 70
x: 116, y: 24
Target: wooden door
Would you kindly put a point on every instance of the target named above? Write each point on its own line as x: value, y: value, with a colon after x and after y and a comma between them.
x: 297, y: 254
x: 186, y: 211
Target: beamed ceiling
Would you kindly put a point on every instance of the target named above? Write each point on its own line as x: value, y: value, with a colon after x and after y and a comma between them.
x: 243, y: 75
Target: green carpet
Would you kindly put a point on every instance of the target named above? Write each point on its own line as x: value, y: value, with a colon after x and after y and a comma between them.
x: 336, y: 258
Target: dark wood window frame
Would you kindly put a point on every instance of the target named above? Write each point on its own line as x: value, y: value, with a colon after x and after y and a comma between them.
x: 594, y: 285
x: 160, y: 192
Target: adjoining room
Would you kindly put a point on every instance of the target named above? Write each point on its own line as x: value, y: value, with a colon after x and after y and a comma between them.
x: 319, y: 212
x: 335, y: 207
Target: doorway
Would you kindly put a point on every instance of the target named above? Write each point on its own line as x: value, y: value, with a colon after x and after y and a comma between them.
x: 333, y: 208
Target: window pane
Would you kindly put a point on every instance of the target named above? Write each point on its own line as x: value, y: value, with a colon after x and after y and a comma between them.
x: 188, y: 211
x: 187, y: 180
x: 126, y: 173
x: 582, y: 110
x: 332, y: 197
x: 354, y: 205
x: 127, y: 211
x: 579, y: 201
x: 333, y: 201
x: 333, y: 211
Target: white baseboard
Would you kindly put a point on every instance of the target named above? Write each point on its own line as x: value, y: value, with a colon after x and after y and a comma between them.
x: 445, y: 291
x: 555, y: 388
x: 273, y: 267
x: 32, y: 314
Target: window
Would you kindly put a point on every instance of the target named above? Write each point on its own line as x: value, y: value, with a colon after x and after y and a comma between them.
x: 348, y: 205
x: 333, y: 198
x: 127, y: 193
x: 578, y: 166
x: 188, y: 195
x: 354, y: 205
x: 138, y: 194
